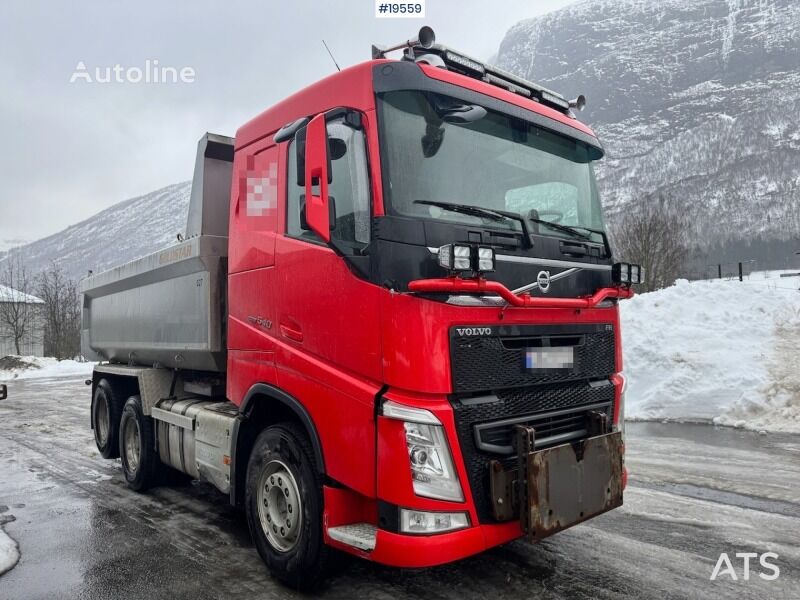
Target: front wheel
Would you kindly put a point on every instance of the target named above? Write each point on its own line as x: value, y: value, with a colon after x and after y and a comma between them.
x: 284, y: 506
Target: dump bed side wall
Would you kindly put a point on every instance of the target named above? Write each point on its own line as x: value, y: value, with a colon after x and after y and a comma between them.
x: 166, y: 308
x: 169, y: 308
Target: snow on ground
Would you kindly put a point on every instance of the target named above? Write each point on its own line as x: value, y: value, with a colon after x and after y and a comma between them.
x: 727, y: 352
x: 9, y: 553
x: 47, y: 367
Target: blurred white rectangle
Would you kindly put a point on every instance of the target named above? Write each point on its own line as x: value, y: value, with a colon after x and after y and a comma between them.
x: 549, y: 358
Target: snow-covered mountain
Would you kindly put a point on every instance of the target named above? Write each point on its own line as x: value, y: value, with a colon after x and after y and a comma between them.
x: 8, y: 244
x: 125, y: 231
x: 696, y: 102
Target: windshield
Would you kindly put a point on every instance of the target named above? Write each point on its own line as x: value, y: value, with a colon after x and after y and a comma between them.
x: 497, y: 162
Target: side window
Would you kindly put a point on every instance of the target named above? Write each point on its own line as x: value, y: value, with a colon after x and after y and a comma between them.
x: 349, y: 188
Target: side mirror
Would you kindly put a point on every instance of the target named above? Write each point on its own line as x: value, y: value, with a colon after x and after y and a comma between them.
x: 317, y: 175
x: 3, y: 391
x: 331, y: 213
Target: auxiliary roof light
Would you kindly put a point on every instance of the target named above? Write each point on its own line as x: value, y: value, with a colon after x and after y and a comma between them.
x: 460, y: 258
x: 627, y: 274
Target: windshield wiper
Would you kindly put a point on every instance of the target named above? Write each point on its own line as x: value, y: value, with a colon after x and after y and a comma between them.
x: 478, y: 211
x: 574, y: 231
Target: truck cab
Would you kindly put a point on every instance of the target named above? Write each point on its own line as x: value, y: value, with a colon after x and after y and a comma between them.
x: 421, y: 342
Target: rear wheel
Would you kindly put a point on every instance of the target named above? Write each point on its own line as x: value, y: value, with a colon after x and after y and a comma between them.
x: 137, y: 447
x: 284, y: 506
x: 106, y: 412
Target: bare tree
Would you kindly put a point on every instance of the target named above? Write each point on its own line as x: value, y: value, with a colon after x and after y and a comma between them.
x: 653, y: 236
x: 62, y: 313
x: 18, y: 314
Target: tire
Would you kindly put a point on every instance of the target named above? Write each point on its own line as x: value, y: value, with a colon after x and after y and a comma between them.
x: 137, y: 447
x: 106, y: 413
x: 282, y: 482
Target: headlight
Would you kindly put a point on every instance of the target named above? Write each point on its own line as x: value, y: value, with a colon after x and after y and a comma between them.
x: 432, y: 471
x: 419, y: 521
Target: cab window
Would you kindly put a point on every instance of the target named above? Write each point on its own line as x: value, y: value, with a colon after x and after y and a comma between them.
x: 349, y: 188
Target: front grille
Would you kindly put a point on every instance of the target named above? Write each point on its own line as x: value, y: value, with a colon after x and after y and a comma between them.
x: 482, y: 361
x: 558, y: 412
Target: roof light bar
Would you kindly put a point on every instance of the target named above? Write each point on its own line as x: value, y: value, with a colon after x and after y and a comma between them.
x: 466, y: 65
x: 464, y: 61
x: 424, y: 48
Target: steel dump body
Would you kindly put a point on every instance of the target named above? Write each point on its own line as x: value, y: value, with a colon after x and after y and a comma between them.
x: 165, y: 308
x: 168, y: 308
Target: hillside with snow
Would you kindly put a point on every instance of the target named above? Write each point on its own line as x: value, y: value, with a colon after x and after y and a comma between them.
x: 725, y: 352
x: 695, y: 102
x: 124, y: 231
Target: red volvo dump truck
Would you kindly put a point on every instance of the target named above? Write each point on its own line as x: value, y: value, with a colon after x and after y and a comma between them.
x: 391, y: 328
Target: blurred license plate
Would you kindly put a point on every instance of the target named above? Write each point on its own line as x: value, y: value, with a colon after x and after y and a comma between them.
x: 539, y: 359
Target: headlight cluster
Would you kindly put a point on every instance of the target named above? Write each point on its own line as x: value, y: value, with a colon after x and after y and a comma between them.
x: 462, y: 257
x: 432, y: 470
x: 626, y: 274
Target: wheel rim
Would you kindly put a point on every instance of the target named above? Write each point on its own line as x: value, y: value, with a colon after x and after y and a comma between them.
x: 280, y: 509
x: 102, y: 421
x: 132, y: 445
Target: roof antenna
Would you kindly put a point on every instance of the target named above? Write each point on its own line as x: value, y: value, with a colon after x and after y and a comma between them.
x: 331, y: 53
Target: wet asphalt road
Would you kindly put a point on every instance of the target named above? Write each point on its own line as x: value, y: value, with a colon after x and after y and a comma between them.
x: 695, y: 491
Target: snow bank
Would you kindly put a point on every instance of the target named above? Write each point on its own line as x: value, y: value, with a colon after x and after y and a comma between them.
x: 9, y: 553
x: 47, y: 367
x: 726, y: 352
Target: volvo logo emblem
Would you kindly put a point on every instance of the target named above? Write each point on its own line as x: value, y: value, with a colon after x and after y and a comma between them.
x: 543, y: 279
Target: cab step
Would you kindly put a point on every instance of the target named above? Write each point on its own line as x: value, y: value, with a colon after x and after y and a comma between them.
x: 357, y: 535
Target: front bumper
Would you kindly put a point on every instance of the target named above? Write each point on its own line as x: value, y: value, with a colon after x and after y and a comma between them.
x: 416, y: 551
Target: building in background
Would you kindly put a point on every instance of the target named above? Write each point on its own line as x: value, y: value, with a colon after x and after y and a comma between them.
x: 23, y: 313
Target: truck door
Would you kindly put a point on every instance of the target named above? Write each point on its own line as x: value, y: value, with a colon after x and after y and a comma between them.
x: 328, y: 317
x: 255, y: 196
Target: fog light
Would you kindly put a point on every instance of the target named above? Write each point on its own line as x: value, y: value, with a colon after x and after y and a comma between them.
x: 417, y: 521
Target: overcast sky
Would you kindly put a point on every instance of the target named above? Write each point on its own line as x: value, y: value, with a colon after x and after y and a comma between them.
x: 70, y: 150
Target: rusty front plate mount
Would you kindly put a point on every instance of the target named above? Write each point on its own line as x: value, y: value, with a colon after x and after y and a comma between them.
x: 558, y: 487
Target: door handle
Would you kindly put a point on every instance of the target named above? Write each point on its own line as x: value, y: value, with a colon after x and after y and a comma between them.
x: 293, y: 332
